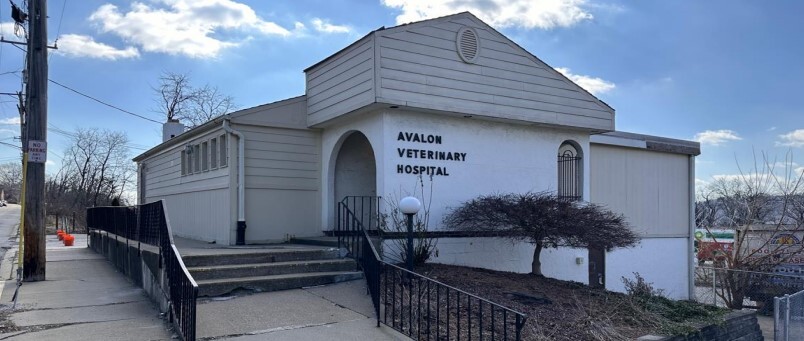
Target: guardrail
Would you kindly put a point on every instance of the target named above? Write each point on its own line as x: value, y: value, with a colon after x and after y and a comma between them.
x: 148, y: 224
x: 418, y: 306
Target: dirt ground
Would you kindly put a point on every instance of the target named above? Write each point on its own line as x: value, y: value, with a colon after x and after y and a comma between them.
x: 562, y: 310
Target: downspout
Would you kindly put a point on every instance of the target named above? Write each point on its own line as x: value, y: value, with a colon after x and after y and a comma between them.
x: 241, y: 183
x: 691, y: 244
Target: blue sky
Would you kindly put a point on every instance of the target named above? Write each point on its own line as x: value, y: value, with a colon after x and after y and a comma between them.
x: 727, y: 73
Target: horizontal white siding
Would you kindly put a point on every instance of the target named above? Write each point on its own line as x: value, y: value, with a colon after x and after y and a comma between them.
x: 650, y: 188
x: 200, y: 215
x: 289, y: 113
x: 198, y: 204
x: 420, y: 67
x: 341, y: 84
x: 282, y: 182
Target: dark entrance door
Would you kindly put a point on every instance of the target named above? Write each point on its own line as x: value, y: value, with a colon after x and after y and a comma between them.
x: 597, y: 267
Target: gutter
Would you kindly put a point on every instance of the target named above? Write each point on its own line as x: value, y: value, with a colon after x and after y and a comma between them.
x: 691, y: 238
x: 241, y: 182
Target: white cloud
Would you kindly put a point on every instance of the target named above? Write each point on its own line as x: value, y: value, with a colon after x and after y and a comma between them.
x: 784, y: 164
x: 9, y: 29
x: 716, y: 137
x: 198, y: 29
x: 771, y: 129
x: 794, y: 138
x: 700, y: 183
x: 594, y: 85
x: 10, y: 121
x: 325, y: 27
x: 74, y: 45
x: 544, y: 14
x: 182, y: 26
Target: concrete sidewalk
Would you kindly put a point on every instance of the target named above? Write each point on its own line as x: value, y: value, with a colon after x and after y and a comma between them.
x: 86, y: 298
x: 83, y: 298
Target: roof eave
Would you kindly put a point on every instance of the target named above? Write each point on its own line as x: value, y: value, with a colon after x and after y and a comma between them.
x: 181, y: 138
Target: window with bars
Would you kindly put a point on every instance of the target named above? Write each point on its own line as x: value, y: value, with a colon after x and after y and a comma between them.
x: 224, y: 160
x: 570, y: 172
x: 204, y: 156
x: 213, y: 156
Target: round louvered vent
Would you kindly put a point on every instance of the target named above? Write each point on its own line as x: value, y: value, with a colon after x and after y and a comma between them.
x: 468, y: 44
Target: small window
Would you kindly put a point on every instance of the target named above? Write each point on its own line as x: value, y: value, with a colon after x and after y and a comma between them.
x: 570, y: 172
x: 213, y: 156
x: 224, y: 152
x: 204, y: 156
x: 197, y: 158
x: 189, y: 151
x: 183, y: 163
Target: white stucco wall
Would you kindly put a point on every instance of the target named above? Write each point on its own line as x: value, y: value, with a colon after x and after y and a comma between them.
x: 332, y: 137
x: 661, y: 261
x: 500, y: 158
x: 502, y: 254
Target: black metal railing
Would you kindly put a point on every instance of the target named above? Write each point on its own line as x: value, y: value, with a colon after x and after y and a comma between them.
x: 366, y: 209
x: 424, y: 308
x: 148, y: 224
x: 421, y: 307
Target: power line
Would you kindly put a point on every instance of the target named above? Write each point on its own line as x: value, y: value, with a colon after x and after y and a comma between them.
x: 73, y: 135
x: 104, y: 103
x: 61, y: 19
x: 11, y: 145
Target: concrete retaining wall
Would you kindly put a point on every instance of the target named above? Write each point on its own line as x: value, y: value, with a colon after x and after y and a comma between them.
x: 741, y: 325
x: 139, y: 262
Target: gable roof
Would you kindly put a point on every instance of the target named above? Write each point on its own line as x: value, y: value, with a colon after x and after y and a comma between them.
x: 466, y: 15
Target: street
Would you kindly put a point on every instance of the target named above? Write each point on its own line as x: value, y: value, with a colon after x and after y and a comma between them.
x: 9, y: 219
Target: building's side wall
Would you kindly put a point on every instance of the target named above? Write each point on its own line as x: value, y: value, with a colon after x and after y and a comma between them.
x: 652, y: 190
x: 282, y: 182
x: 198, y: 204
x: 661, y: 261
x: 419, y: 67
x: 342, y: 84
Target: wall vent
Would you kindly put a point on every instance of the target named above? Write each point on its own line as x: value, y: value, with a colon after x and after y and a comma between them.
x: 468, y: 45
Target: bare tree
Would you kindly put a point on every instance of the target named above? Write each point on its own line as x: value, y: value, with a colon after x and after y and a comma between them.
x: 178, y: 99
x: 96, y: 168
x: 174, y: 95
x: 707, y: 208
x: 763, y: 206
x: 544, y: 220
x: 208, y: 103
x: 11, y: 180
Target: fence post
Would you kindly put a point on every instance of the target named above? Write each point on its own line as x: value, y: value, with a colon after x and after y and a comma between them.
x: 714, y: 290
x: 787, y: 317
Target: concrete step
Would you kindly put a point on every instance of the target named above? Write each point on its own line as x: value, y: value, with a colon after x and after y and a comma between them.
x: 269, y: 269
x: 320, y: 241
x: 266, y: 256
x: 222, y: 286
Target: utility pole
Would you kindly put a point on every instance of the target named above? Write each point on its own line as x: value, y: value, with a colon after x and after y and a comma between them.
x: 36, y: 144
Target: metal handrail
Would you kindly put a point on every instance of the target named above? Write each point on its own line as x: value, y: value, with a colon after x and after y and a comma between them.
x: 403, y: 283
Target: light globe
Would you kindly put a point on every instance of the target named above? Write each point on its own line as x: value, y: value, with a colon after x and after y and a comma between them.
x: 410, y: 205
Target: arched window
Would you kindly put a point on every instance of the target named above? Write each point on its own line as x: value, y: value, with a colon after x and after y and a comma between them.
x: 570, y: 171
